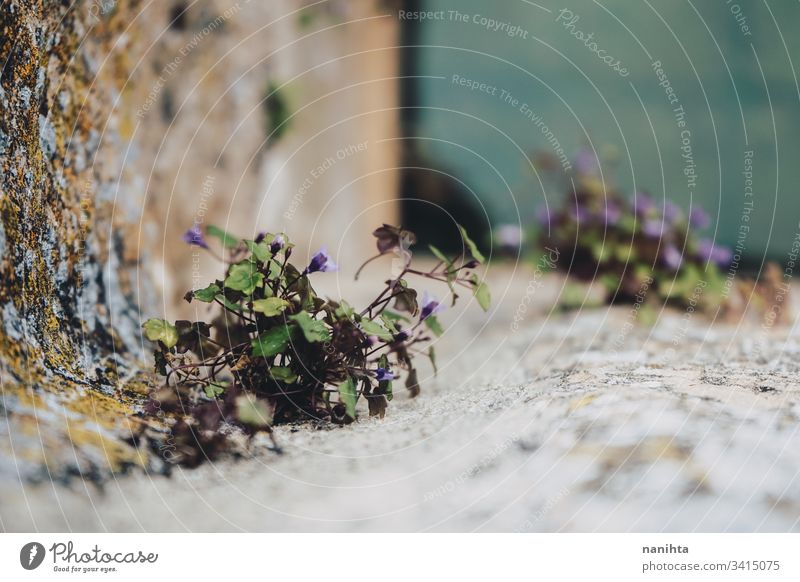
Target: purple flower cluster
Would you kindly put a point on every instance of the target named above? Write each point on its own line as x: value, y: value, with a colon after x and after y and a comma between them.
x: 717, y: 254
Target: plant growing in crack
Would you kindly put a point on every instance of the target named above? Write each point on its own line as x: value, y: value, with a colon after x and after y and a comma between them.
x: 277, y: 352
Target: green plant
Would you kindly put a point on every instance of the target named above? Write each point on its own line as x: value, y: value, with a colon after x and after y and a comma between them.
x: 633, y: 246
x: 278, y: 352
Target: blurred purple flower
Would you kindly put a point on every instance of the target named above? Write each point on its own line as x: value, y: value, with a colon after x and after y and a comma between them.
x: 509, y: 236
x: 430, y: 305
x: 612, y: 213
x: 699, y: 218
x: 722, y: 255
x: 586, y: 161
x: 672, y: 257
x: 672, y: 212
x: 277, y: 244
x: 260, y: 237
x: 194, y: 236
x: 321, y: 262
x: 544, y: 216
x: 580, y: 214
x: 642, y: 203
x: 719, y: 255
x: 383, y: 375
x: 653, y: 227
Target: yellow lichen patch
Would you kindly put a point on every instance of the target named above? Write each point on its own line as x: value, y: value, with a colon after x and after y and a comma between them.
x: 581, y: 402
x: 25, y: 396
x: 117, y: 454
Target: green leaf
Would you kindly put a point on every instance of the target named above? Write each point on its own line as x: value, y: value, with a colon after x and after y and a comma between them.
x: 392, y: 316
x: 283, y: 374
x: 253, y: 412
x: 441, y: 256
x: 611, y: 282
x: 270, y: 306
x: 432, y: 357
x: 627, y: 223
x: 473, y: 249
x: 374, y: 328
x: 159, y: 330
x: 344, y: 310
x: 602, y: 251
x: 244, y: 277
x: 215, y: 389
x: 433, y: 324
x: 226, y: 239
x: 482, y: 294
x: 208, y: 294
x: 313, y: 329
x: 387, y: 391
x: 625, y: 253
x: 272, y: 342
x: 259, y: 250
x: 348, y: 396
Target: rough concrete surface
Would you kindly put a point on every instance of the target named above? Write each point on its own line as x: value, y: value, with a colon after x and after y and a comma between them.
x: 575, y: 422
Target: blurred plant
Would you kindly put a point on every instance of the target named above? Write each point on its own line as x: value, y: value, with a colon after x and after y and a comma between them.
x: 627, y: 244
x: 277, y: 352
x: 277, y: 113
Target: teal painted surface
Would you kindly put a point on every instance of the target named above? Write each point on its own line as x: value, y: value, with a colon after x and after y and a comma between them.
x: 713, y: 65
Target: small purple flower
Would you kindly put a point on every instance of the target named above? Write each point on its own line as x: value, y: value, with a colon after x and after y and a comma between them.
x: 612, y: 213
x: 586, y: 161
x: 261, y: 236
x: 430, y: 305
x: 544, y: 216
x: 672, y: 212
x: 194, y: 236
x: 719, y: 255
x: 321, y: 262
x: 672, y: 257
x: 699, y: 218
x: 653, y: 227
x: 277, y: 244
x: 383, y: 375
x: 642, y: 203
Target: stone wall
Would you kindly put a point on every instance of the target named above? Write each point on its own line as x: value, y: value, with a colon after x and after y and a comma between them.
x: 122, y: 123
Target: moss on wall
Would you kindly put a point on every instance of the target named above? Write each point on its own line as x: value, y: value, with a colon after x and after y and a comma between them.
x: 67, y: 313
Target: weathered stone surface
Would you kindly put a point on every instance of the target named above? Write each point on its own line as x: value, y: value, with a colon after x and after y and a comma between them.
x: 69, y: 319
x: 575, y: 422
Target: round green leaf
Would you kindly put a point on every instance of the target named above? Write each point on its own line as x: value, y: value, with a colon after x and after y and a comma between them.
x: 272, y: 342
x: 159, y: 330
x: 313, y: 329
x: 270, y: 306
x: 244, y: 277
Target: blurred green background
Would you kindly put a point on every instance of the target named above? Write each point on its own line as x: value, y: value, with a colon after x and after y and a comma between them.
x: 730, y: 66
